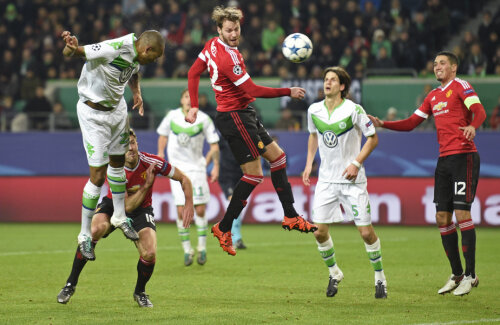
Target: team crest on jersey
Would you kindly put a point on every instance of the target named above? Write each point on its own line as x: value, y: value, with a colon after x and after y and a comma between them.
x: 260, y: 145
x: 448, y: 94
x: 126, y: 74
x: 330, y: 139
x: 183, y: 139
x: 96, y: 47
x: 342, y: 125
x: 237, y: 70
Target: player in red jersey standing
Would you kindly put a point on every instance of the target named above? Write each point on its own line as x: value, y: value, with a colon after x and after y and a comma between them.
x: 238, y: 124
x: 457, y: 113
x: 141, y: 169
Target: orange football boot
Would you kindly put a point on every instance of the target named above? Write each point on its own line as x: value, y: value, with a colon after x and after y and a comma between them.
x: 224, y: 238
x: 298, y: 223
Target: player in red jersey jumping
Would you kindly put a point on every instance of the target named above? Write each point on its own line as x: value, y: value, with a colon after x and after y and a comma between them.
x: 140, y: 168
x: 238, y: 124
x: 457, y: 113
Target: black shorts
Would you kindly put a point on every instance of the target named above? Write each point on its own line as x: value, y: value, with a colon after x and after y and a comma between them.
x: 141, y: 217
x: 455, y: 181
x: 244, y: 132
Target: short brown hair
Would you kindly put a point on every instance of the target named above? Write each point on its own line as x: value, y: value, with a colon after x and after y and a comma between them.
x: 131, y: 133
x: 344, y: 79
x: 220, y: 14
x: 452, y: 57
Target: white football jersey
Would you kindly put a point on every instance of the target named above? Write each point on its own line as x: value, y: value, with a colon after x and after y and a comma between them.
x: 185, y: 140
x: 339, y: 138
x: 109, y: 66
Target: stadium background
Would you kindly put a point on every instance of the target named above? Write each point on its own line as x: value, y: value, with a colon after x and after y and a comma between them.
x: 387, y: 46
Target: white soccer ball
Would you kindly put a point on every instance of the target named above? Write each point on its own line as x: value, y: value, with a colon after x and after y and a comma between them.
x: 297, y: 47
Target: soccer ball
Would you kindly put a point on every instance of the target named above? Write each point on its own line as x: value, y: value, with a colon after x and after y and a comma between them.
x: 297, y: 47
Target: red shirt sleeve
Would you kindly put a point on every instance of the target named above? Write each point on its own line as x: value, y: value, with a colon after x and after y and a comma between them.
x: 194, y: 80
x: 479, y: 115
x: 404, y: 125
x: 263, y: 92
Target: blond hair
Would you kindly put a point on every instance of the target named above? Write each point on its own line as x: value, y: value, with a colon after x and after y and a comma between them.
x: 220, y: 14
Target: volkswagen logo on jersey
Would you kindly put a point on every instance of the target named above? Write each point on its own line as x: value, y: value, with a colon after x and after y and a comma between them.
x: 183, y: 139
x: 126, y: 73
x: 330, y: 139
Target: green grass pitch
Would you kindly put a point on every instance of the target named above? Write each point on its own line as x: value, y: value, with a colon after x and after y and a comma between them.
x: 280, y: 278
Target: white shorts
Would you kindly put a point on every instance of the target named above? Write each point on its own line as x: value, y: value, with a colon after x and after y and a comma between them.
x: 201, y: 191
x: 353, y: 197
x: 103, y: 133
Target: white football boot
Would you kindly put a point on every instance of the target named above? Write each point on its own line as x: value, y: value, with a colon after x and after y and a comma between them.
x: 466, y: 285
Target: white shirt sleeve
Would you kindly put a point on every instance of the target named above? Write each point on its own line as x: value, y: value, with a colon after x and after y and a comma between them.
x: 362, y: 121
x: 209, y: 131
x: 102, y: 51
x: 164, y: 127
x: 310, y: 124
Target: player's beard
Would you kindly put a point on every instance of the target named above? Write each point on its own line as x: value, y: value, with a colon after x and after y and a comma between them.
x: 226, y: 40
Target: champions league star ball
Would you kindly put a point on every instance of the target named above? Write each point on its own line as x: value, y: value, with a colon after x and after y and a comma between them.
x: 297, y: 47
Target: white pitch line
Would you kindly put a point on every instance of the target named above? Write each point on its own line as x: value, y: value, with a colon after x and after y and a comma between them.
x: 474, y: 321
x: 171, y: 248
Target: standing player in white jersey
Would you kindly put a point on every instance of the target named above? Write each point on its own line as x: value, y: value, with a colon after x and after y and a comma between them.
x: 184, y: 142
x: 102, y: 114
x: 238, y: 124
x: 339, y: 124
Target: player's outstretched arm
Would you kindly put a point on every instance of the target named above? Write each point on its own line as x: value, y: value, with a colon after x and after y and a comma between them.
x: 162, y: 144
x: 402, y: 125
x: 135, y: 86
x: 71, y: 48
x: 376, y: 121
x: 194, y: 75
x: 135, y: 200
x: 214, y: 155
x: 312, y: 147
x: 187, y: 188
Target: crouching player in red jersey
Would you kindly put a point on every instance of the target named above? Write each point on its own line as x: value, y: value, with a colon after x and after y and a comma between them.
x: 457, y: 114
x: 238, y: 124
x: 140, y: 168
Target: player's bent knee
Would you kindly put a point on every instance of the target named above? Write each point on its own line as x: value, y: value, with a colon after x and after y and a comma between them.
x: 149, y: 255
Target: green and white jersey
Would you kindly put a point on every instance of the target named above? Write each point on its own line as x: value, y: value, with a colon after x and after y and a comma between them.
x: 185, y: 140
x: 339, y: 138
x: 109, y: 66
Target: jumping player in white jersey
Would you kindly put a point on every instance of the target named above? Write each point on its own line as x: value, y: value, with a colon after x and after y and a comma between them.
x: 102, y: 114
x: 184, y: 142
x: 237, y: 122
x: 336, y: 126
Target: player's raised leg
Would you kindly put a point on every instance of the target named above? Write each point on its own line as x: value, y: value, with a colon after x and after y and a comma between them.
x: 100, y: 227
x: 90, y: 199
x: 277, y: 160
x: 117, y: 181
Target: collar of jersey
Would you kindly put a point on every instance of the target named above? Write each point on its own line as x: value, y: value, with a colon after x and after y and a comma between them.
x: 449, y: 83
x: 231, y: 47
x: 327, y: 111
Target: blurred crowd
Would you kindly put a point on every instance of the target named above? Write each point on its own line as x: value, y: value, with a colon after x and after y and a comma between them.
x: 356, y: 34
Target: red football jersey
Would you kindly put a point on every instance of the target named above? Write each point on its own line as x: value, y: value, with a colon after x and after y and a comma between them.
x: 137, y: 176
x: 227, y: 71
x: 448, y: 105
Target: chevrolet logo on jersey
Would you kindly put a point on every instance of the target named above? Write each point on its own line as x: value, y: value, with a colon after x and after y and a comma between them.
x: 330, y: 139
x: 439, y: 106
